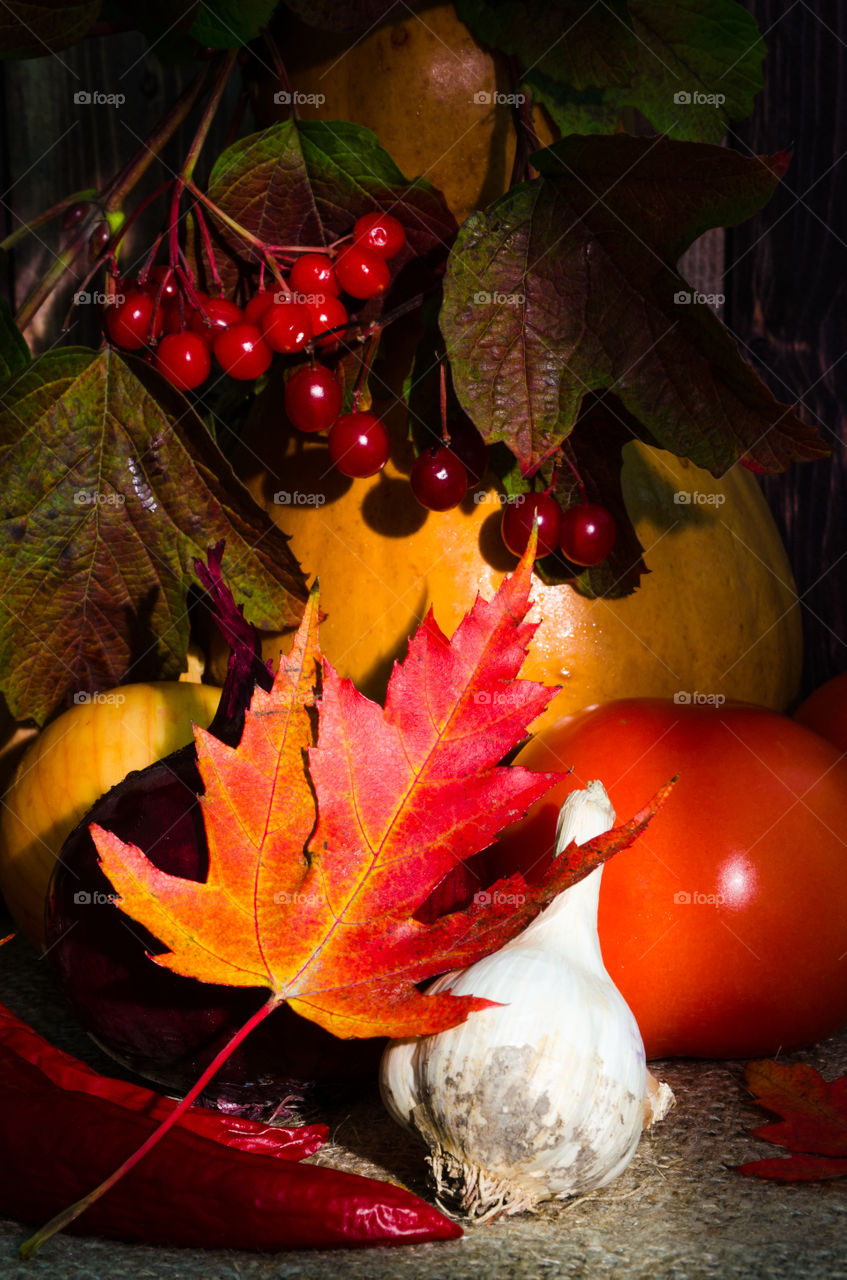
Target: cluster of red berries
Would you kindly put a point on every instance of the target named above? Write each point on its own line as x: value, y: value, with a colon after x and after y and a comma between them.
x: 584, y: 533
x: 184, y: 335
x: 358, y: 441
x: 187, y: 333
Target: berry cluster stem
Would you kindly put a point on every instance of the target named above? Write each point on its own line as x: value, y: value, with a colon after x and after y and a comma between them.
x: 112, y: 198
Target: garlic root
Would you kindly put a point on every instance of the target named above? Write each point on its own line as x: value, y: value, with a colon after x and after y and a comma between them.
x: 658, y: 1100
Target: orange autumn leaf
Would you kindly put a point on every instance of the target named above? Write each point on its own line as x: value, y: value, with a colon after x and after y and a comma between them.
x: 321, y: 854
x: 813, y: 1125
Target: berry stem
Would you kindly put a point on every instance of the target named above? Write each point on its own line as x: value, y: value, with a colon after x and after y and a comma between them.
x: 203, y: 228
x: 186, y: 279
x: 279, y: 67
x: 442, y: 400
x: 566, y: 453
x: 114, y: 195
x: 222, y: 74
x: 365, y: 367
x: 114, y: 243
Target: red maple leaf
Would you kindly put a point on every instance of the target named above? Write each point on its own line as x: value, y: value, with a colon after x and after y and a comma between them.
x: 321, y: 854
x: 813, y: 1126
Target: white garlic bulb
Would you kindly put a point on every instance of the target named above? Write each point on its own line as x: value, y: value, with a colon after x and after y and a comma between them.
x: 543, y: 1096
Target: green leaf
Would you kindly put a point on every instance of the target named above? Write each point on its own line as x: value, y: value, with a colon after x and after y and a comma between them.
x: 228, y: 24
x: 699, y: 66
x: 14, y: 353
x: 573, y: 110
x: 573, y: 43
x: 306, y: 182
x: 568, y: 284
x: 30, y: 30
x: 689, y: 67
x: 108, y: 494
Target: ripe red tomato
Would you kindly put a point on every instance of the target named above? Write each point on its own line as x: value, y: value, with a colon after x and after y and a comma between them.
x: 725, y: 924
x: 825, y: 711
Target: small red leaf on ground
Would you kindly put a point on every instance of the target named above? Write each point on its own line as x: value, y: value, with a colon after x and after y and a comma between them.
x: 813, y: 1125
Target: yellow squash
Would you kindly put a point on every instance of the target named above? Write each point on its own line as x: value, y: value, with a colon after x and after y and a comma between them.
x: 715, y: 617
x: 77, y: 758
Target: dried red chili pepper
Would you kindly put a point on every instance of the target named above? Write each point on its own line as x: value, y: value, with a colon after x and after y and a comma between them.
x: 187, y: 1191
x: 230, y: 1131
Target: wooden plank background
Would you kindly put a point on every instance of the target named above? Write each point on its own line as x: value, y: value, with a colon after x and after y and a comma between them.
x: 786, y: 287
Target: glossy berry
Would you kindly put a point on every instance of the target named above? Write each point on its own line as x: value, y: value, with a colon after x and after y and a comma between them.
x: 258, y: 305
x: 361, y: 273
x: 380, y: 233
x: 587, y: 533
x: 313, y: 398
x: 98, y: 240
x: 222, y: 314
x: 242, y: 352
x: 359, y: 444
x: 74, y: 215
x: 154, y: 281
x: 326, y: 315
x: 286, y: 326
x: 183, y: 359
x: 518, y: 516
x: 313, y: 276
x: 128, y: 323
x: 177, y: 315
x: 438, y: 479
x: 470, y: 448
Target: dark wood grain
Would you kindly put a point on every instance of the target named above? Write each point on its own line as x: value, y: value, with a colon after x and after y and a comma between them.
x: 786, y: 286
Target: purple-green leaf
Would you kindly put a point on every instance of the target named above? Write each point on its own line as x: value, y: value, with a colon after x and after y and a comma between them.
x: 108, y: 494
x: 568, y: 284
x: 305, y: 182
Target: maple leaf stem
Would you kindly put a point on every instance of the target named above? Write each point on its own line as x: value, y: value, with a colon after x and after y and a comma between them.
x: 63, y: 1219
